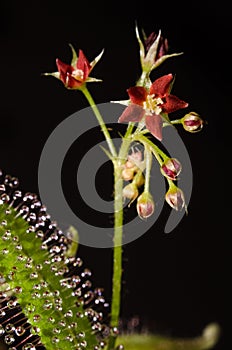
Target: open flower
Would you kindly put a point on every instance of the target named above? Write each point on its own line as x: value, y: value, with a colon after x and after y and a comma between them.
x: 150, y: 104
x: 76, y: 74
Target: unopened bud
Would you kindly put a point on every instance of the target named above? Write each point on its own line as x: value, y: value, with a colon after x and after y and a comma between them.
x: 130, y: 191
x: 138, y: 179
x: 192, y: 122
x: 135, y: 157
x: 175, y: 198
x: 128, y: 174
x: 171, y: 168
x: 145, y: 205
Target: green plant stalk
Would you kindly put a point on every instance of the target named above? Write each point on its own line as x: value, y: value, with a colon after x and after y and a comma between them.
x: 100, y: 121
x: 148, y: 168
x: 118, y: 234
x: 118, y: 161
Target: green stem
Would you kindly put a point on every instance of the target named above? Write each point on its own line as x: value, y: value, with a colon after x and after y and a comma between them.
x: 100, y: 121
x: 148, y: 156
x: 158, y: 153
x: 118, y: 233
x: 117, y: 254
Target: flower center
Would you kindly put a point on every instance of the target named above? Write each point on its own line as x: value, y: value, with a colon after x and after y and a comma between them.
x: 152, y: 104
x: 78, y: 74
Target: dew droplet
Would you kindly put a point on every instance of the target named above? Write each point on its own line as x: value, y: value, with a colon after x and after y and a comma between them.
x: 35, y: 330
x: 44, y: 284
x: 51, y: 319
x: 29, y: 346
x: 19, y: 331
x: 120, y: 347
x: 56, y: 330
x: 11, y: 304
x: 9, y: 339
x: 69, y: 338
x: 33, y: 275
x: 18, y: 290
x: 83, y: 343
x: 4, y: 198
x: 62, y: 323
x: 54, y: 249
x: 37, y: 286
x: 55, y: 340
x: 47, y: 305
x: 39, y: 267
x: 40, y: 234
x: 5, y: 251
x: 2, y: 330
x: 36, y: 318
x: 44, y: 246
x: 69, y: 313
x: 21, y: 257
x: 30, y: 308
x: 56, y: 293
x: 35, y: 295
x: 81, y: 335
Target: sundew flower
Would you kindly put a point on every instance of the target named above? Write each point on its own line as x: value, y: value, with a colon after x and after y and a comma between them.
x: 153, y: 50
x: 76, y: 74
x: 149, y: 104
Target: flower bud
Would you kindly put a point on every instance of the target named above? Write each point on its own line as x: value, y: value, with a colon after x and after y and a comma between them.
x: 171, y: 168
x: 145, y: 205
x: 130, y: 191
x: 138, y: 179
x: 175, y: 198
x: 128, y: 174
x: 192, y: 122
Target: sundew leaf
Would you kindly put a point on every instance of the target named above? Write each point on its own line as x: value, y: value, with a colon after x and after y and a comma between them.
x: 46, y: 299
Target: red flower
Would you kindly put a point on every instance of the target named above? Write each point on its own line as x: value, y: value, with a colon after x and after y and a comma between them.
x: 149, y: 104
x: 76, y: 74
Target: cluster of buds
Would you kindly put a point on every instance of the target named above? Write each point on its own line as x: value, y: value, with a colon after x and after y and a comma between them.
x: 133, y: 171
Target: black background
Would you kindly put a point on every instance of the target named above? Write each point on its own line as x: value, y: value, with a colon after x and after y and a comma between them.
x: 175, y: 283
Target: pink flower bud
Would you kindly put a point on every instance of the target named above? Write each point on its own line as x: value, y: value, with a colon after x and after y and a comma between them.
x: 175, y: 198
x: 145, y: 205
x: 192, y: 122
x: 130, y: 191
x: 171, y: 168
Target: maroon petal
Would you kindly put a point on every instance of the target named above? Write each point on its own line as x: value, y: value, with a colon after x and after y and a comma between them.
x: 63, y: 69
x: 72, y: 83
x: 172, y: 104
x: 161, y: 85
x: 132, y: 113
x: 154, y: 124
x: 83, y: 64
x: 137, y: 94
